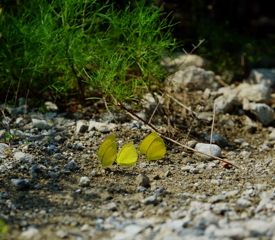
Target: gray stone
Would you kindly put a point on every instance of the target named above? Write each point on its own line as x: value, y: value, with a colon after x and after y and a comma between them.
x: 19, y: 110
x: 2, y: 147
x: 81, y: 127
x: 226, y: 103
x: 21, y: 183
x: 62, y: 234
x: 188, y: 168
x: 206, y: 116
x: 212, y: 149
x: 263, y: 112
x: 192, y: 74
x: 18, y: 133
x: 50, y: 106
x: 40, y: 124
x: 143, y: 180
x: 244, y: 203
x: 149, y: 102
x: 150, y: 200
x: 250, y: 126
x: 53, y: 174
x: 102, y: 127
x: 254, y: 93
x: 217, y: 198
x: 32, y: 233
x: 84, y: 181
x: 141, y: 189
x: 262, y: 76
x: 258, y: 228
x: 23, y: 157
x: 217, y: 139
x: 178, y: 224
x: 236, y: 233
x: 205, y: 219
x: 110, y: 206
x: 71, y: 165
x: 182, y: 61
x: 135, y: 229
x: 232, y: 193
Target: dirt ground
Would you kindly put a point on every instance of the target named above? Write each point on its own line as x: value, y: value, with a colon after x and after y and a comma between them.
x: 60, y: 203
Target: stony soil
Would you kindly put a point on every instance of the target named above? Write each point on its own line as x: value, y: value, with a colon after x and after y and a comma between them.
x: 56, y: 206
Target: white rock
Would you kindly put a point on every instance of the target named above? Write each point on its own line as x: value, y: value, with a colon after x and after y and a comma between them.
x: 197, y: 207
x: 259, y: 228
x: 263, y: 112
x: 102, y: 127
x: 2, y: 147
x: 232, y: 193
x: 110, y: 206
x: 41, y: 124
x: 272, y: 135
x: 262, y: 204
x: 81, y: 127
x: 212, y: 149
x: 50, y: 106
x: 150, y: 200
x: 204, y: 79
x: 150, y: 103
x: 30, y: 234
x: 250, y: 126
x: 143, y: 180
x: 226, y: 103
x: 237, y: 233
x: 262, y: 76
x: 84, y: 181
x: 61, y: 233
x: 217, y: 198
x: 254, y: 93
x: 244, y: 202
x: 183, y: 61
x: 205, y: 219
x: 23, y: 157
x: 135, y: 229
x: 176, y: 224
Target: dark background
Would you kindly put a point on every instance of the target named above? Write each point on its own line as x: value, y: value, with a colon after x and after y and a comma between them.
x: 239, y: 34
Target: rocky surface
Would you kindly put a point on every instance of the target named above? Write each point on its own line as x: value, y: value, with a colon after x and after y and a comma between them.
x: 53, y: 187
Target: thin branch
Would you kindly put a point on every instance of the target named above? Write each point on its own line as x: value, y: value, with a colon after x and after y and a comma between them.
x: 155, y: 110
x: 182, y: 105
x: 150, y: 126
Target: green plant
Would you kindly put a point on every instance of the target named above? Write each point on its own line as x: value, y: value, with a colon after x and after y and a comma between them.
x: 49, y: 47
x: 3, y: 229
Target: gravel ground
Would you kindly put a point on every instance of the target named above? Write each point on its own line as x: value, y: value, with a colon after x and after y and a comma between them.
x: 53, y: 187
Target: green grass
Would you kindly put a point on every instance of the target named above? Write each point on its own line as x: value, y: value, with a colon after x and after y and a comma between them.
x: 56, y: 49
x: 3, y: 229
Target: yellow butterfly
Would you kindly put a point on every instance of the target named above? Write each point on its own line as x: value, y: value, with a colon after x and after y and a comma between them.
x: 107, y: 152
x: 153, y: 146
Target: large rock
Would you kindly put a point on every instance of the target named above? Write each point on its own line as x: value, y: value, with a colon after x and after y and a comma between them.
x: 263, y: 112
x: 263, y: 76
x: 211, y: 149
x: 226, y: 103
x: 194, y: 75
x: 182, y: 62
x: 254, y: 93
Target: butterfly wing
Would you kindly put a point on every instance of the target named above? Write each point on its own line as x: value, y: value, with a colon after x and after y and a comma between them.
x: 145, y: 144
x: 127, y: 155
x: 156, y: 150
x: 107, y: 151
